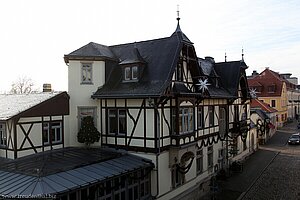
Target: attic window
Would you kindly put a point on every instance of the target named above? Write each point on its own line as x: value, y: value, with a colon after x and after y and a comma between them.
x: 131, y: 73
x: 271, y: 88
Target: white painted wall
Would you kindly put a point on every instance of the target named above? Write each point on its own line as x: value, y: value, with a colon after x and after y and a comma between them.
x: 80, y: 96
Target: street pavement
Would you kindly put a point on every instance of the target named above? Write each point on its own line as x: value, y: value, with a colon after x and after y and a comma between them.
x: 272, y: 172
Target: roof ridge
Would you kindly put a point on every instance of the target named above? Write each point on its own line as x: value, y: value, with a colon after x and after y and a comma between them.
x: 143, y: 41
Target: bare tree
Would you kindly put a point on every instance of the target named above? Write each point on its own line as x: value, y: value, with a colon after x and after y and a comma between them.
x: 23, y: 85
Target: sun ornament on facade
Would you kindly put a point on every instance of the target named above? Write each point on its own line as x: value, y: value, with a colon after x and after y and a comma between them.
x: 253, y: 93
x: 203, y: 85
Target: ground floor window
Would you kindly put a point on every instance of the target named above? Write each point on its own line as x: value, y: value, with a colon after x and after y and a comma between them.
x: 177, y: 177
x: 117, y: 121
x: 52, y: 131
x: 210, y: 157
x: 221, y: 158
x: 199, y: 161
x: 2, y: 134
x: 133, y: 186
x: 87, y: 112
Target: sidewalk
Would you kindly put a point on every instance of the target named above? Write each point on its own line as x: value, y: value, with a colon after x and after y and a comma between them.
x: 238, y: 183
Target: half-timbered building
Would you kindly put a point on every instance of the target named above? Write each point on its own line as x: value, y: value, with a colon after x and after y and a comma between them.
x: 158, y: 100
x: 32, y: 123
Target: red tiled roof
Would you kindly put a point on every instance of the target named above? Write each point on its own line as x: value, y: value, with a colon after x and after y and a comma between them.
x: 267, y: 78
x: 255, y: 103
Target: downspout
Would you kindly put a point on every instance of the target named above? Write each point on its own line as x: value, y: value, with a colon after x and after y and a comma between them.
x: 157, y: 130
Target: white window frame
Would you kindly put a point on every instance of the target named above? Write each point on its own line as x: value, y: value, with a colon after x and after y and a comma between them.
x: 2, y: 134
x: 210, y: 157
x: 200, y: 118
x: 186, y: 120
x: 55, y: 128
x: 118, y: 116
x: 131, y: 73
x: 86, y: 73
x: 222, y: 121
x: 199, y: 161
x: 134, y: 72
x: 86, y: 111
x: 211, y: 120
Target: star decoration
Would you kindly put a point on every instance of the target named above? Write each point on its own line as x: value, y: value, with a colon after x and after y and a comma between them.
x: 203, y: 85
x: 253, y: 93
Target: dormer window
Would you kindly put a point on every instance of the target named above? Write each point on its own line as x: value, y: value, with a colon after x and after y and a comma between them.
x: 131, y: 73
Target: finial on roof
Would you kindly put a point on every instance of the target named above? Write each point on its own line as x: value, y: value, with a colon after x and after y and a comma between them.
x: 242, y: 54
x: 225, y: 56
x: 178, y: 18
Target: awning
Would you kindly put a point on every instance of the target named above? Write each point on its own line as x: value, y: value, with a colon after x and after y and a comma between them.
x: 14, y: 183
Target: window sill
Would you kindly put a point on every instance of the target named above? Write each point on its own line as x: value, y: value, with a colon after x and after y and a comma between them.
x: 86, y: 83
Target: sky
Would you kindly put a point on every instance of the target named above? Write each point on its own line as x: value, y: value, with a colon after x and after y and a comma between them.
x: 36, y: 34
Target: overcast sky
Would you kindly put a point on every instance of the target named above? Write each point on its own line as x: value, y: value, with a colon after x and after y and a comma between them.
x: 35, y: 34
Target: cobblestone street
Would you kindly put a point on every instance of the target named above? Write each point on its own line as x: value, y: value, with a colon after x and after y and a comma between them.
x: 281, y: 180
x: 273, y: 172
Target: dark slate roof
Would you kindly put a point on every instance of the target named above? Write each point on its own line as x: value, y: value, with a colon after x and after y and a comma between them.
x: 92, y: 50
x: 98, y: 166
x: 230, y: 73
x: 156, y: 72
x: 180, y: 34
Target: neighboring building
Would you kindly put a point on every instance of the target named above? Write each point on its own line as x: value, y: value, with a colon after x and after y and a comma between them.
x: 264, y: 117
x: 293, y: 96
x: 158, y: 100
x: 32, y: 123
x: 272, y: 89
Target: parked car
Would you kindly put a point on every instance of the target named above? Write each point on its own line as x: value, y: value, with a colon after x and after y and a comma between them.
x: 294, y: 139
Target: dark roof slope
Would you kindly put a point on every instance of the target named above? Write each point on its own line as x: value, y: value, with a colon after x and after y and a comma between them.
x: 91, y: 50
x: 160, y: 57
x: 230, y: 73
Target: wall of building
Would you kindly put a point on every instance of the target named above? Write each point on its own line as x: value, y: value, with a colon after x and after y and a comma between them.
x: 80, y: 96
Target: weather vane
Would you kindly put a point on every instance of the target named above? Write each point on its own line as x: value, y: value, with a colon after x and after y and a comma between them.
x: 178, y: 18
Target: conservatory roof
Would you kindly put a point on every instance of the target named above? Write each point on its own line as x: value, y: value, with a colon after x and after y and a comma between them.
x: 59, y: 171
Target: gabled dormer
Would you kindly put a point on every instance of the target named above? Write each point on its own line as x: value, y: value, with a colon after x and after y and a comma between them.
x: 133, y: 66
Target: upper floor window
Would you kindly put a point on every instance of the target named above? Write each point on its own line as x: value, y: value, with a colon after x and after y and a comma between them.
x: 86, y: 73
x: 2, y: 134
x: 52, y: 131
x: 179, y: 72
x: 210, y: 115
x: 131, y: 73
x: 271, y: 88
x: 117, y: 121
x: 186, y: 120
x: 200, y: 117
x: 273, y: 103
x: 222, y: 122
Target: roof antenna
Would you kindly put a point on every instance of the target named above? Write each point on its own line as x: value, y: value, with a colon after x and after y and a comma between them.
x: 242, y: 54
x: 178, y: 18
x: 225, y: 56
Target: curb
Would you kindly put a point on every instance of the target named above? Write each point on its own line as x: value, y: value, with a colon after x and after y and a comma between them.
x: 255, y: 180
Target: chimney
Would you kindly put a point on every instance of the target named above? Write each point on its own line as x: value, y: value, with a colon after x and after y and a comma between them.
x: 210, y: 59
x: 47, y: 87
x: 254, y: 73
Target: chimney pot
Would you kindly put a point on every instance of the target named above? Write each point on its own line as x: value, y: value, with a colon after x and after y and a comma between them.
x: 47, y: 87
